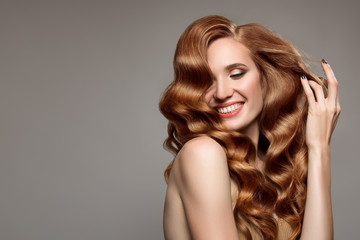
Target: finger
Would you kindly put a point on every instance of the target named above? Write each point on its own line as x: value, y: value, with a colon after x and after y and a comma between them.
x: 326, y: 84
x: 324, y: 81
x: 307, y: 89
x: 332, y: 82
x: 318, y: 90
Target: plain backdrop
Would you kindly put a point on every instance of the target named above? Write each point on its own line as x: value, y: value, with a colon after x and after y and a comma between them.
x: 80, y: 131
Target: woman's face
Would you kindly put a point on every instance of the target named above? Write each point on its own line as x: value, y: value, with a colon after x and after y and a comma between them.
x: 236, y: 92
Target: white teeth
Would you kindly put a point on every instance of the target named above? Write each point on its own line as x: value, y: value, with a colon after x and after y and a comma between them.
x: 229, y: 109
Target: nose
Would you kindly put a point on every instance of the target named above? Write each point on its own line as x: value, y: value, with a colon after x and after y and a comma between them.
x: 223, y: 90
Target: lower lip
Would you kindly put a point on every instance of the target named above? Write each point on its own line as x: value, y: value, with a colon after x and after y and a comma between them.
x: 232, y: 114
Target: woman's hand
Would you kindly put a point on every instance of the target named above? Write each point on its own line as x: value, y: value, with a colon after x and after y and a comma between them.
x: 323, y: 111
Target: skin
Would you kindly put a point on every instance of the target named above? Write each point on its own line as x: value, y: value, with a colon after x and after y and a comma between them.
x: 236, y: 79
x: 322, y: 117
x: 201, y: 195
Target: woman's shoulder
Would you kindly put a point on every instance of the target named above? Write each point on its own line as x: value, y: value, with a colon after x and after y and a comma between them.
x: 201, y: 146
x: 201, y: 149
x: 199, y: 157
x: 201, y: 182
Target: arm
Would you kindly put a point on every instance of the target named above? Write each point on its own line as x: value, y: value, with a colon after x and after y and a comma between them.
x: 322, y: 117
x: 204, y: 186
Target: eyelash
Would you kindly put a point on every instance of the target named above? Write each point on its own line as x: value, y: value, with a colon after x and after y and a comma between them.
x: 238, y: 75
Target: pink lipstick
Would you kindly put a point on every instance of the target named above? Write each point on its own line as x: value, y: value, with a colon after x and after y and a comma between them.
x: 228, y: 110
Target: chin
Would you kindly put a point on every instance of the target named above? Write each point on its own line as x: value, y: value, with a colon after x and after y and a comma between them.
x: 233, y: 127
x: 246, y: 128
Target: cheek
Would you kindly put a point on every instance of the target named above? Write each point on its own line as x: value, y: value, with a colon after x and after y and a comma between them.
x: 254, y: 92
x: 258, y: 94
x: 209, y: 95
x: 252, y: 86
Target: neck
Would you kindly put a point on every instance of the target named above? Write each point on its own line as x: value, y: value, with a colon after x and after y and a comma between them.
x: 259, y: 161
x: 253, y: 133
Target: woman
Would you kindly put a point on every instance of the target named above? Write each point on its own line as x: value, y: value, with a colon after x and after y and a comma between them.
x: 250, y: 126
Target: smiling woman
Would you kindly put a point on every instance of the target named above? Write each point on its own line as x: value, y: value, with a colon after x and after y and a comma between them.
x: 236, y: 92
x: 250, y: 126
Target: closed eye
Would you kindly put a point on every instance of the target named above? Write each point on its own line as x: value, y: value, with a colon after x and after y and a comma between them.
x: 237, y: 75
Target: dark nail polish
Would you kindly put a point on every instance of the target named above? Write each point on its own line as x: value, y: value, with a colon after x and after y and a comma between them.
x: 302, y: 76
x: 324, y: 61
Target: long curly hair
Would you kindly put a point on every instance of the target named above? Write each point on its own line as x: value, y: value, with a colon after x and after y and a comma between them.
x: 280, y: 190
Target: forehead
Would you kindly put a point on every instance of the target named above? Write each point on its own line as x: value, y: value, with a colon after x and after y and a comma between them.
x: 227, y: 51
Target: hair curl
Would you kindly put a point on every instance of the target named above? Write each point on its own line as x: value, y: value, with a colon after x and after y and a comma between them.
x: 281, y: 188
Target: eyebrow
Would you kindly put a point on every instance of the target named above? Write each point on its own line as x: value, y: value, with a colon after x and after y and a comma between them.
x: 234, y: 65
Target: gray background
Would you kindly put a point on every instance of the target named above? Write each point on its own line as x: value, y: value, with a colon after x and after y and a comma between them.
x: 80, y: 132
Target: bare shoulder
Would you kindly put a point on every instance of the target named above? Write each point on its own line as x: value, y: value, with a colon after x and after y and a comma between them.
x: 200, y: 157
x: 202, y: 147
x: 202, y: 182
x: 201, y: 150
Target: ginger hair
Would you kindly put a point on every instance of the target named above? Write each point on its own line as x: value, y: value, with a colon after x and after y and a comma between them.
x: 281, y: 188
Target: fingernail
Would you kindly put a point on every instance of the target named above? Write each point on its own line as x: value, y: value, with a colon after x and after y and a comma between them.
x: 302, y: 76
x: 324, y: 61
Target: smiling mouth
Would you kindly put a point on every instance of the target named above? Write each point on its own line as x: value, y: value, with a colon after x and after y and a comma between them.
x: 229, y: 109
